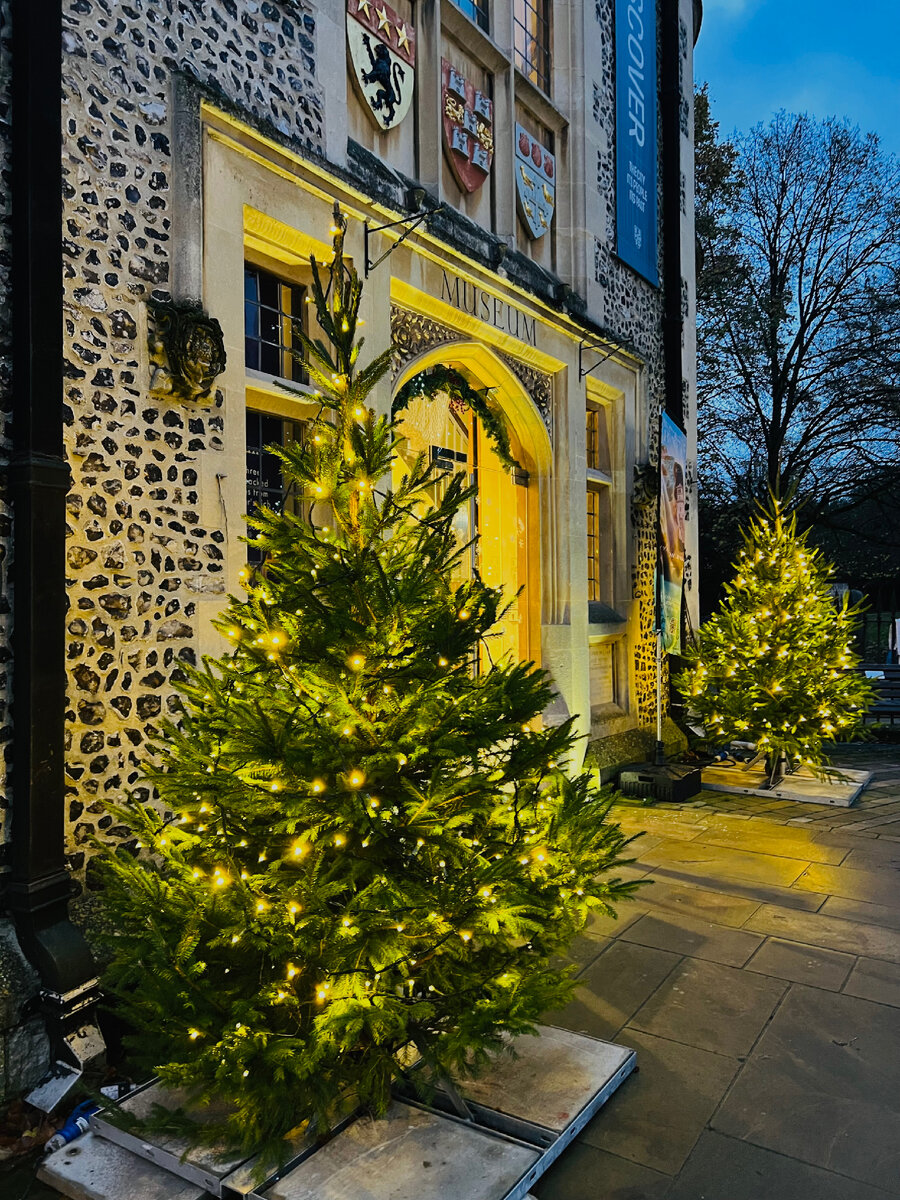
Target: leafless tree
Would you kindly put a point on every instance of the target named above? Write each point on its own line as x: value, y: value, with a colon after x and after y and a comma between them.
x: 798, y: 309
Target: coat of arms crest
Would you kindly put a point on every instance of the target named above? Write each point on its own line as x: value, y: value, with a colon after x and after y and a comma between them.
x: 535, y: 182
x: 468, y: 117
x: 383, y: 57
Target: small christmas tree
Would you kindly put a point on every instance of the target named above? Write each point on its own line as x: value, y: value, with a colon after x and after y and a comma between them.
x: 365, y: 844
x: 775, y: 665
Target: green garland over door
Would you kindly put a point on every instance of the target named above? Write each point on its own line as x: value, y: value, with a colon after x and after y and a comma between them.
x: 439, y: 378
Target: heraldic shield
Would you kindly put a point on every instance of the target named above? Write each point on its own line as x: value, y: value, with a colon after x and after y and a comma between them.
x: 535, y: 182
x: 468, y: 118
x: 383, y: 59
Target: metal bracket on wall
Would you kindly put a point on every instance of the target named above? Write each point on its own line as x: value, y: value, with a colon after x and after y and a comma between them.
x: 410, y: 224
x: 586, y: 347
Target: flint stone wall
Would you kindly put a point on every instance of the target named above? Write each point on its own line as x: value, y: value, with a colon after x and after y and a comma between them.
x: 137, y: 554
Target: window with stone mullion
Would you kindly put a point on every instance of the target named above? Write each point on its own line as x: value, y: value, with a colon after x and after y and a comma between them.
x: 273, y: 307
x: 531, y: 39
x: 265, y: 482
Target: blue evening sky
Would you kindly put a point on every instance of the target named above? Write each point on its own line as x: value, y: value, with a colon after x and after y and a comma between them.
x: 825, y: 57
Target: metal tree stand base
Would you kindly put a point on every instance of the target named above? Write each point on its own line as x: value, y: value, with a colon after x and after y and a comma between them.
x: 522, y: 1114
x: 841, y: 789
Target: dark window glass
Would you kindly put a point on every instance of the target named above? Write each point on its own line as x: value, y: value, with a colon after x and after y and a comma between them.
x: 593, y: 544
x: 597, y: 441
x: 593, y: 439
x: 272, y: 309
x: 265, y: 484
x: 531, y: 39
x: 476, y: 9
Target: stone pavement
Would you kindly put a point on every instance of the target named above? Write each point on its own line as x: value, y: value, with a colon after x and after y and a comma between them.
x: 758, y: 978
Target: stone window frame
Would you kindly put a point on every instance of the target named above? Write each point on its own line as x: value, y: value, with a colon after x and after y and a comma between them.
x: 281, y: 398
x: 600, y: 502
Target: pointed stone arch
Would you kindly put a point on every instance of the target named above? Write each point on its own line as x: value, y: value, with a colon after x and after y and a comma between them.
x: 484, y: 368
x: 531, y: 445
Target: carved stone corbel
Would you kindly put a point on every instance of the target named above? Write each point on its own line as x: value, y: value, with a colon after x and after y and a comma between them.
x: 187, y: 350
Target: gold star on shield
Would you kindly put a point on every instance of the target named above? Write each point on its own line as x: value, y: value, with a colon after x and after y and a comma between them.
x: 363, y: 7
x: 383, y: 22
x: 402, y: 37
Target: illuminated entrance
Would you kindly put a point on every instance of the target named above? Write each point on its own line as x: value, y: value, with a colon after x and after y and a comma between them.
x: 503, y: 514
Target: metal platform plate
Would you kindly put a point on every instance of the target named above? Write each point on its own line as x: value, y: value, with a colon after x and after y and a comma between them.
x: 553, y: 1079
x: 547, y: 1093
x: 412, y: 1154
x: 525, y: 1110
x: 841, y: 790
x: 205, y: 1166
x: 92, y: 1168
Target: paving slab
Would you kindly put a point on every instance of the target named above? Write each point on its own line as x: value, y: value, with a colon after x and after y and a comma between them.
x: 613, y: 988
x: 661, y: 1110
x: 658, y: 826
x: 761, y: 893
x: 859, y: 910
x: 784, y: 842
x: 802, y: 964
x: 585, y: 1173
x: 713, y: 861
x: 867, y: 843
x: 880, y: 888
x: 872, y: 979
x: 823, y: 1085
x: 723, y: 1168
x: 876, y: 856
x: 720, y: 907
x: 683, y: 934
x: 834, y: 933
x: 584, y: 949
x: 92, y: 1168
x: 602, y: 925
x: 710, y: 1006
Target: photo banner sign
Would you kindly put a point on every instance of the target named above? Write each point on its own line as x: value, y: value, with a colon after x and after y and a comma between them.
x: 636, y: 153
x: 672, y: 463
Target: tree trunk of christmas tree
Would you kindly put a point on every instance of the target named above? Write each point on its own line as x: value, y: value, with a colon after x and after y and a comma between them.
x: 776, y: 766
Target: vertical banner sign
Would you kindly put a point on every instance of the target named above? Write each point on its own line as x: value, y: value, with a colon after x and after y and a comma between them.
x: 672, y: 462
x: 636, y: 155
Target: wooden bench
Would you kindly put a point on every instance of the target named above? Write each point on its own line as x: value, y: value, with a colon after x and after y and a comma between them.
x: 886, y: 709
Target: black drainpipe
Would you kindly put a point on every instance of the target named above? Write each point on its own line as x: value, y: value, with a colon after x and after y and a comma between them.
x: 39, y: 885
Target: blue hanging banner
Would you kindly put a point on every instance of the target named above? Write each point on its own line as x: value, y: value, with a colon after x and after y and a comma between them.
x: 636, y: 153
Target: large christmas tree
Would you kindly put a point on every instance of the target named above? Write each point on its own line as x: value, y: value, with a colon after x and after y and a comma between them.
x: 361, y: 842
x: 775, y: 666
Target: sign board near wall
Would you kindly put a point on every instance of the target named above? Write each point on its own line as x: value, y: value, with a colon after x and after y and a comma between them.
x: 636, y: 141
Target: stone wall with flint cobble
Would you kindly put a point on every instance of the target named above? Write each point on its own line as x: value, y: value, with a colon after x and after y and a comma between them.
x: 138, y: 555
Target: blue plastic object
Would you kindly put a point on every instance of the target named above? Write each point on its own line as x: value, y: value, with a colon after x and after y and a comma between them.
x: 75, y: 1126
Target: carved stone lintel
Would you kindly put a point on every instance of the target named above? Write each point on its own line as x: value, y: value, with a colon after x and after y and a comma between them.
x: 187, y: 350
x: 412, y: 334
